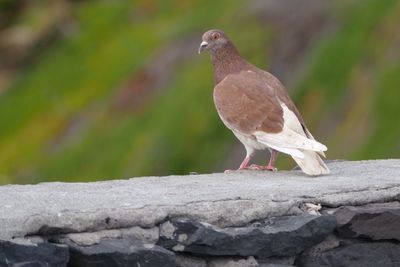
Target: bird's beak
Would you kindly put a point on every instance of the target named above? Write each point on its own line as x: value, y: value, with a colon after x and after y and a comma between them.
x: 203, y: 46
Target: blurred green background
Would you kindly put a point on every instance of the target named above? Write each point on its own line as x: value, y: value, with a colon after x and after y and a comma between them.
x: 93, y: 90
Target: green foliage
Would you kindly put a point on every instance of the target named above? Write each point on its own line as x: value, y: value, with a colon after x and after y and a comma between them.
x: 337, y: 55
x: 350, y: 78
x: 75, y: 80
x: 58, y: 117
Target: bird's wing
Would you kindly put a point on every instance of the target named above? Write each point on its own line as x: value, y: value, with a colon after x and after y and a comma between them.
x: 292, y: 139
x: 245, y: 104
x: 285, y: 98
x: 248, y: 102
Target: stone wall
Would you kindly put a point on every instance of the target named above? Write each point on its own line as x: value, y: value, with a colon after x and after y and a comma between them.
x: 247, y: 218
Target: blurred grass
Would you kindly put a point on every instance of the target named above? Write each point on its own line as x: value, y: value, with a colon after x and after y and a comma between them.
x: 337, y: 55
x: 83, y: 71
x: 72, y: 85
x: 347, y: 70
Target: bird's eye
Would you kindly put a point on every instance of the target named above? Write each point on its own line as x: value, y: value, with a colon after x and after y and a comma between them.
x: 215, y: 36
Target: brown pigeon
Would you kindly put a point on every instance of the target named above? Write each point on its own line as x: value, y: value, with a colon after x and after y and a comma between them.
x: 257, y: 108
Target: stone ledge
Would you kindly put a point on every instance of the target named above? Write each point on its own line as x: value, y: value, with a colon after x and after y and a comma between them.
x: 100, y: 220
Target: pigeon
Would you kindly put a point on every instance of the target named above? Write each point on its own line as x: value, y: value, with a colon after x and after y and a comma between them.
x: 256, y: 107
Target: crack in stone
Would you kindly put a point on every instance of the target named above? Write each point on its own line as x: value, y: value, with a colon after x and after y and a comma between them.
x: 97, y: 224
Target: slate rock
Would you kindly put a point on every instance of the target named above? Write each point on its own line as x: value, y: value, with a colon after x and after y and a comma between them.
x: 278, y: 236
x: 368, y: 221
x: 277, y: 261
x: 274, y: 265
x: 24, y: 253
x: 229, y: 262
x: 382, y: 254
x: 189, y: 261
x: 329, y: 243
x: 90, y: 238
x: 120, y: 252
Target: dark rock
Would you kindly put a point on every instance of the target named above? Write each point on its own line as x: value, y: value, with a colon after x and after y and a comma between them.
x: 278, y: 236
x: 368, y: 221
x: 277, y: 261
x: 25, y: 253
x: 91, y: 238
x: 120, y: 252
x: 274, y: 265
x: 233, y: 262
x: 382, y: 254
x: 329, y: 243
x: 182, y: 260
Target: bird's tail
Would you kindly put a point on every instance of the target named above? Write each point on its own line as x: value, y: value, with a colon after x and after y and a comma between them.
x: 312, y: 164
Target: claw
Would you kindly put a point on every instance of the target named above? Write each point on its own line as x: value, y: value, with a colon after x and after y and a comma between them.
x: 255, y: 167
x: 258, y: 167
x: 269, y: 167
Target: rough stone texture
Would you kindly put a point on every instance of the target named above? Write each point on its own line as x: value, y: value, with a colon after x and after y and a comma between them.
x: 376, y: 221
x: 279, y: 261
x: 275, y: 265
x: 189, y: 261
x: 120, y: 252
x: 382, y: 254
x: 232, y: 199
x: 88, y: 239
x: 329, y: 243
x: 24, y: 253
x: 277, y: 236
x: 242, y: 218
x: 249, y: 262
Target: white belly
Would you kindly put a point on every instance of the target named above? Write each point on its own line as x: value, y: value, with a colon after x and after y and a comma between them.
x: 249, y: 142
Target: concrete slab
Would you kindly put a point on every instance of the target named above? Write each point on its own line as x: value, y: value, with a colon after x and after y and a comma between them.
x: 232, y: 199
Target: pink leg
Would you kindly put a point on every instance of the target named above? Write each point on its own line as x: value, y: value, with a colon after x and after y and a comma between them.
x: 271, y: 163
x: 244, y: 164
x: 272, y: 159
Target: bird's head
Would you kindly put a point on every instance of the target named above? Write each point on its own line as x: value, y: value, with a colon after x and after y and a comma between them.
x: 213, y: 40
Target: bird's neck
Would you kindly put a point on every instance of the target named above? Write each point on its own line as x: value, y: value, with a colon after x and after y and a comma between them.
x: 227, y: 61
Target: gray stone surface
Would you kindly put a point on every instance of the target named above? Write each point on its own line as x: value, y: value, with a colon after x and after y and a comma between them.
x: 120, y: 252
x: 24, y: 253
x: 284, y: 261
x: 277, y: 236
x: 382, y: 254
x: 232, y: 199
x: 248, y: 262
x: 189, y: 261
x: 375, y: 221
x: 275, y: 265
x: 92, y: 238
x: 329, y: 243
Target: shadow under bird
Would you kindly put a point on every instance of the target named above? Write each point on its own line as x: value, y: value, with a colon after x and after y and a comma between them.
x: 256, y: 107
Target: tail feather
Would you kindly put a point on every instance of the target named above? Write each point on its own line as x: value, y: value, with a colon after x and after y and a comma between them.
x: 312, y: 164
x: 310, y: 136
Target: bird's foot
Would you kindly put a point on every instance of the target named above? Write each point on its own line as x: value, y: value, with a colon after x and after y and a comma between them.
x: 254, y: 167
x: 259, y: 168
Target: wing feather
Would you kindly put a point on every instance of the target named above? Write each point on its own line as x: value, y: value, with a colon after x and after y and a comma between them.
x: 252, y: 104
x: 246, y: 103
x: 292, y: 135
